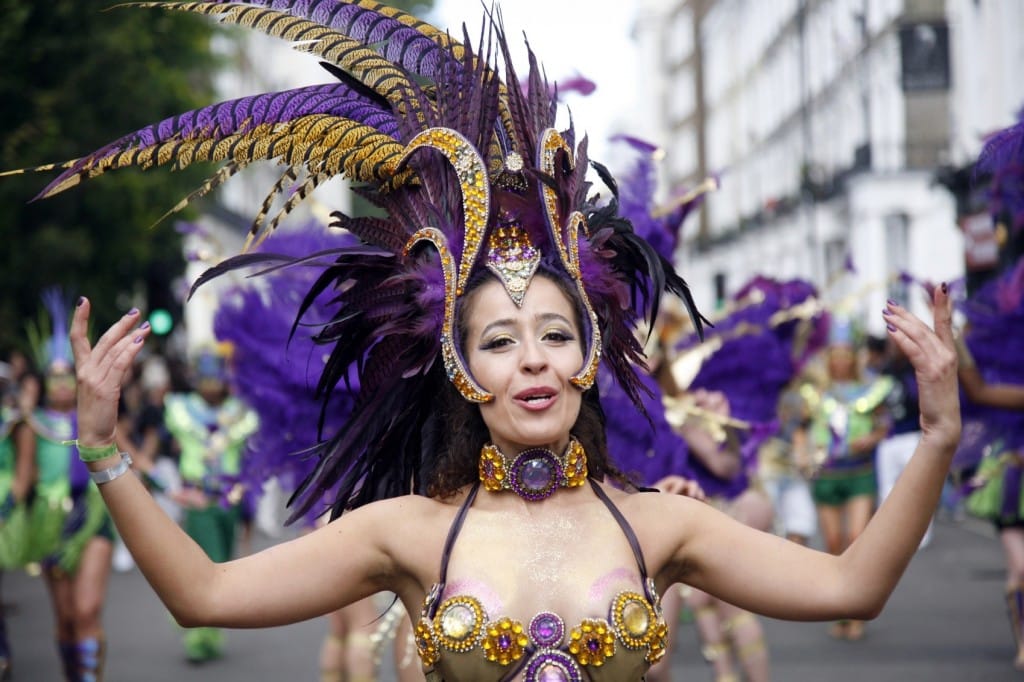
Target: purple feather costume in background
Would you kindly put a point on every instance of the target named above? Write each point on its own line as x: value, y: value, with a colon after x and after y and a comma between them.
x: 645, y: 448
x: 277, y: 364
x: 993, y: 438
x: 774, y: 328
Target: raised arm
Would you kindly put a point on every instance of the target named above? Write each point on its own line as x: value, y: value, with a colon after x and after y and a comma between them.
x: 767, y: 574
x: 312, y: 575
x: 978, y: 390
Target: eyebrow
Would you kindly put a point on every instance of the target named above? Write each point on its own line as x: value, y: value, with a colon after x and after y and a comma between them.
x: 509, y: 322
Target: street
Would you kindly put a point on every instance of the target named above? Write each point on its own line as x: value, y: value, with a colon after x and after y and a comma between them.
x: 945, y: 623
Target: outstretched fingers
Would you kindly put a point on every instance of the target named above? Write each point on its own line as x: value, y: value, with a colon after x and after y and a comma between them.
x: 922, y: 346
x: 933, y: 356
x: 101, y: 371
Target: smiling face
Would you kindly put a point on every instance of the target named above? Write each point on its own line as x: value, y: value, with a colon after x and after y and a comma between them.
x: 525, y: 357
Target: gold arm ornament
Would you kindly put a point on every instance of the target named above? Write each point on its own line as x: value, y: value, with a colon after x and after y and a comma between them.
x: 678, y: 410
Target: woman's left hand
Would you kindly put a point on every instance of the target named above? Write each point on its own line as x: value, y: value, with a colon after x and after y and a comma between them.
x: 933, y: 355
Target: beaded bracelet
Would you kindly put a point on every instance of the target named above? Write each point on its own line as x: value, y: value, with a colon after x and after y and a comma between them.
x: 92, y: 454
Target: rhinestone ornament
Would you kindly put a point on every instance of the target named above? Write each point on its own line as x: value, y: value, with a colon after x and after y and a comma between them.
x: 547, y: 630
x: 534, y: 474
x: 504, y: 641
x: 458, y: 623
x: 552, y: 666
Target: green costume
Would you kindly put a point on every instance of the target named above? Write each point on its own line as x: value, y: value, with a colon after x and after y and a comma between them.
x: 67, y: 510
x: 842, y: 413
x: 13, y: 515
x: 211, y: 438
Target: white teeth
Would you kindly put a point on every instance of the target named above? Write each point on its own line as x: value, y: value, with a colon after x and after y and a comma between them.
x: 535, y: 398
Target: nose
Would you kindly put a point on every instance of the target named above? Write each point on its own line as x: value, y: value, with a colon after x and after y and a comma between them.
x: 534, y: 360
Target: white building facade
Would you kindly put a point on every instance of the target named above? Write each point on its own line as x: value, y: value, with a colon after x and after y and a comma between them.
x: 259, y: 63
x: 827, y: 121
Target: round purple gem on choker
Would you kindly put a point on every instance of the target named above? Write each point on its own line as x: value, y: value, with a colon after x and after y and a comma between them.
x: 533, y: 474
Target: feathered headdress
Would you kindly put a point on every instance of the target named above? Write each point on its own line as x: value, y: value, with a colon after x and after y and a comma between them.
x: 49, y: 338
x: 472, y: 176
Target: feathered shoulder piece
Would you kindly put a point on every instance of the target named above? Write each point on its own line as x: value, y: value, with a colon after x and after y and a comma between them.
x: 474, y: 181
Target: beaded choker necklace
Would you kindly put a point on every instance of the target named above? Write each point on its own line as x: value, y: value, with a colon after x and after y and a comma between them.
x: 533, y: 474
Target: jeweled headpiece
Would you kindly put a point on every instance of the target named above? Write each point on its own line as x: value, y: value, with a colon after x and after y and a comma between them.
x: 473, y: 180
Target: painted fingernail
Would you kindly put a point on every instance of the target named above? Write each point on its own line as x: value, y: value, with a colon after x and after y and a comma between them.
x: 890, y: 327
x: 137, y: 339
x: 133, y: 311
x: 81, y: 300
x: 945, y: 288
x: 892, y: 303
x: 144, y: 325
x: 886, y: 311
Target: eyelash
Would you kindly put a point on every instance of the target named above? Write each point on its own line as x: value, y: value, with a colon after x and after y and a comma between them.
x: 554, y: 335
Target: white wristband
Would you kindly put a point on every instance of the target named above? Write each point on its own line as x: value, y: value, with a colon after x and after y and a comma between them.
x: 111, y: 473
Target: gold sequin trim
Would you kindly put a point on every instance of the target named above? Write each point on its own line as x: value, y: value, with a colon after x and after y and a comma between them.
x: 633, y: 619
x: 458, y: 623
x: 426, y: 647
x: 475, y: 186
x: 575, y: 465
x: 453, y: 365
x: 493, y: 472
x: 513, y: 258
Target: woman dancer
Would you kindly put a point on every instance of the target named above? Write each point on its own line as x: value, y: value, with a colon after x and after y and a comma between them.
x: 71, y: 531
x: 477, y: 315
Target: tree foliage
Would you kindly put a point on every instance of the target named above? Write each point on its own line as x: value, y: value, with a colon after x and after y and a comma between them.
x: 76, y: 77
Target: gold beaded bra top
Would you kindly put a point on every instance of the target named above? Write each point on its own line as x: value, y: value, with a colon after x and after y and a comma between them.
x: 458, y: 640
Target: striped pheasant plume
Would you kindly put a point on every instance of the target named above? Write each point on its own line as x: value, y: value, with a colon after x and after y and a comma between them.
x: 473, y: 180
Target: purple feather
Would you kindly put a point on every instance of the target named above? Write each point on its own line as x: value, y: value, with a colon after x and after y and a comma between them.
x: 579, y: 84
x: 1002, y: 158
x: 58, y: 346
x: 276, y: 373
x: 637, y: 188
x: 991, y: 321
x: 239, y: 116
x: 404, y: 45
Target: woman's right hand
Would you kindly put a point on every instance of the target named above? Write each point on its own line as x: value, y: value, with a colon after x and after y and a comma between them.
x: 101, y: 370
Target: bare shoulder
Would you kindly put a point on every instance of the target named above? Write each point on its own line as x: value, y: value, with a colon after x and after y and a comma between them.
x: 664, y: 525
x: 410, y: 530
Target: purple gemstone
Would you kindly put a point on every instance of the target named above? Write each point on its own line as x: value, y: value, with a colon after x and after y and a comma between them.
x: 552, y: 666
x: 552, y: 673
x: 504, y: 642
x: 537, y: 474
x: 593, y: 644
x: 546, y: 629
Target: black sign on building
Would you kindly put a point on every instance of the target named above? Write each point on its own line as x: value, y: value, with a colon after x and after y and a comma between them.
x: 924, y: 50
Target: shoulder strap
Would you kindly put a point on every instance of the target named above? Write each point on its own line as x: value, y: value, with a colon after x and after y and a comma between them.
x: 453, y: 533
x: 627, y: 530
